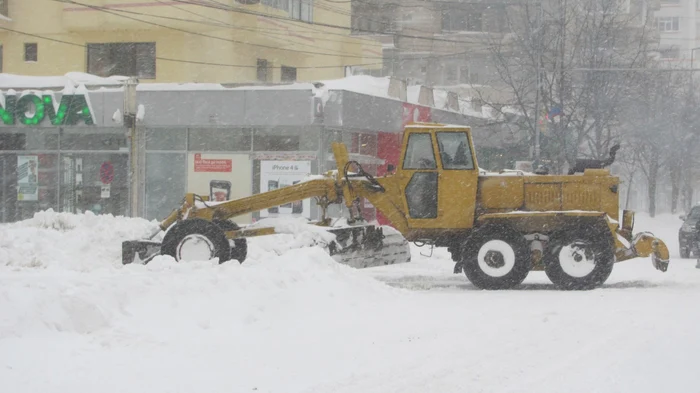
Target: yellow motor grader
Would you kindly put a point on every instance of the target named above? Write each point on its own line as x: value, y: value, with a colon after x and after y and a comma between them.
x: 497, y: 226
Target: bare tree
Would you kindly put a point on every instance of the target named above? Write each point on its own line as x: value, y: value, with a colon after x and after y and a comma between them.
x: 577, y: 46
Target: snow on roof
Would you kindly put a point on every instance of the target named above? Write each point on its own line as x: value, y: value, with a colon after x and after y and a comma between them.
x: 12, y: 81
x: 362, y: 84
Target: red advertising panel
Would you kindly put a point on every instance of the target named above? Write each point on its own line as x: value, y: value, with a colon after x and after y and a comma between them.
x: 209, y: 165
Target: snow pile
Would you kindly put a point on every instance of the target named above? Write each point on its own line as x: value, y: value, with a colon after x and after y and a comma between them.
x: 292, y: 232
x: 81, y: 242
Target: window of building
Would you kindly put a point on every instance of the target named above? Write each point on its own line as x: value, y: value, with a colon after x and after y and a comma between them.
x: 670, y: 53
x: 669, y: 23
x: 123, y: 58
x: 289, y: 74
x: 301, y: 10
x: 462, y: 20
x: 278, y: 4
x: 31, y: 52
x: 670, y: 2
x: 262, y: 70
x: 4, y: 9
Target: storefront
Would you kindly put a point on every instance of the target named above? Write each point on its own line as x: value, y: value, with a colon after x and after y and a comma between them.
x: 72, y: 154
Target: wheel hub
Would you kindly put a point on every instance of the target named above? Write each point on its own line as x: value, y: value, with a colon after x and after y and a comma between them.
x: 494, y: 259
x: 195, y: 247
x: 577, y: 259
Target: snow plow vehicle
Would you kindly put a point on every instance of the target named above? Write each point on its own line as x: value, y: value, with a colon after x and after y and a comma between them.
x: 497, y: 226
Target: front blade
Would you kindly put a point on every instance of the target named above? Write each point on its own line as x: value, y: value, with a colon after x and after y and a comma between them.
x: 369, y: 246
x: 139, y: 251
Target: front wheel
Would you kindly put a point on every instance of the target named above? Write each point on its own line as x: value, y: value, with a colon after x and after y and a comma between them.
x: 579, y: 259
x: 196, y: 240
x: 496, y: 257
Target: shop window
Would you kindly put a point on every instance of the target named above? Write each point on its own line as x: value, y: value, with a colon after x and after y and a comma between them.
x: 31, y: 52
x: 82, y: 140
x: 82, y: 186
x: 302, y: 10
x: 165, y: 183
x: 219, y: 139
x: 28, y: 184
x: 124, y: 58
x: 29, y: 139
x: 166, y: 139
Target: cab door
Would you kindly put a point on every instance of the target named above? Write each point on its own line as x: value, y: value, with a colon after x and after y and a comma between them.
x: 438, y: 179
x: 458, y: 179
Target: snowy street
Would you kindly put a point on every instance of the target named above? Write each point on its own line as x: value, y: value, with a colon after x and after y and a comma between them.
x: 72, y: 319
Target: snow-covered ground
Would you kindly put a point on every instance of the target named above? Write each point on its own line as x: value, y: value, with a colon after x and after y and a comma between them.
x: 72, y: 319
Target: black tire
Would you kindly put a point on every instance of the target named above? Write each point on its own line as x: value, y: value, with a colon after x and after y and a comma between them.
x: 173, y: 239
x: 588, y: 265
x: 239, y: 249
x: 485, y: 264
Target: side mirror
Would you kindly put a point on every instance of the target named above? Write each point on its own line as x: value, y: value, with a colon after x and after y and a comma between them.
x: 390, y: 168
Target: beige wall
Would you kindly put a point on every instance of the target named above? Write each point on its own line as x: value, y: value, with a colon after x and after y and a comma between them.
x: 78, y: 25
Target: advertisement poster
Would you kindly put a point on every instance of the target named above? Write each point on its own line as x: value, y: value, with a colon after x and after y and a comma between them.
x: 280, y: 174
x: 27, y: 179
x: 221, y: 177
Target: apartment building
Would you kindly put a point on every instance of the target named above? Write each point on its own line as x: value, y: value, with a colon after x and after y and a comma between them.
x: 239, y: 41
x: 679, y: 32
x: 433, y: 43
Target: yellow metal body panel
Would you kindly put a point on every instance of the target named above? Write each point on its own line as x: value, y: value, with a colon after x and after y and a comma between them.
x: 501, y: 192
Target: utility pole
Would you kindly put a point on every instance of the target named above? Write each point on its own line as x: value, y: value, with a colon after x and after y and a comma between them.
x: 538, y: 56
x: 130, y: 124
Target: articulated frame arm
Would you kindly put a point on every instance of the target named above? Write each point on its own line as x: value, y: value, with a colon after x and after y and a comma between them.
x: 192, y: 208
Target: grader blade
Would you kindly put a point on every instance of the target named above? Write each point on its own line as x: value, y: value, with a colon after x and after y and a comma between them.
x: 139, y: 251
x: 369, y: 246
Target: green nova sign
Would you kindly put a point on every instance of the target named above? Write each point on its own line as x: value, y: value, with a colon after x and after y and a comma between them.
x: 32, y: 108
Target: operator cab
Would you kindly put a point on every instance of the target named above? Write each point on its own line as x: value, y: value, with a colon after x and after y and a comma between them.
x: 438, y: 174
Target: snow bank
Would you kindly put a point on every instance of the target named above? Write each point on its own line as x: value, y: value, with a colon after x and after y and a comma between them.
x: 79, y: 242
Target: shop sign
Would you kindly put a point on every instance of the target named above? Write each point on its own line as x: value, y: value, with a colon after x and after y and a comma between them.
x: 210, y: 165
x: 32, y: 108
x: 27, y: 178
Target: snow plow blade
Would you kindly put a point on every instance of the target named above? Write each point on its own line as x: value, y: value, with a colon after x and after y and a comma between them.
x: 359, y: 247
x: 644, y: 244
x: 139, y: 251
x: 369, y: 246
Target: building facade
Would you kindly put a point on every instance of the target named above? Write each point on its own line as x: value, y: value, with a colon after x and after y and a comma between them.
x: 183, y: 41
x: 679, y: 32
x: 68, y: 149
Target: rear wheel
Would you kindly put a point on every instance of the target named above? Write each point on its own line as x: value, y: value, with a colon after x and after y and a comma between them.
x: 579, y: 258
x: 196, y: 240
x: 239, y: 247
x: 496, y: 257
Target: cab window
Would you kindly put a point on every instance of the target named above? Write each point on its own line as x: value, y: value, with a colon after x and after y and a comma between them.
x: 454, y: 150
x: 419, y: 152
